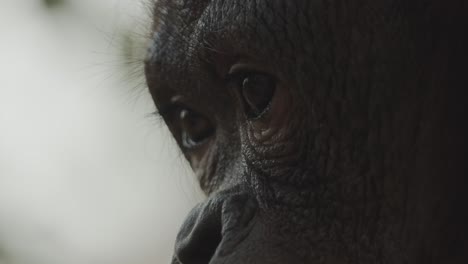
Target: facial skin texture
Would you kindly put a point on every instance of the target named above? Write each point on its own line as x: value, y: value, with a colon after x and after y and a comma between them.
x: 321, y: 131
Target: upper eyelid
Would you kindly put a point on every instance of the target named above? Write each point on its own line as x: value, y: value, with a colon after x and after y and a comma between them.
x: 167, y: 110
x: 244, y: 67
x: 176, y: 102
x: 239, y: 76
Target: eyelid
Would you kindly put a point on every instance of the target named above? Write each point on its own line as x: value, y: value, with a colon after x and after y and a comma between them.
x: 167, y: 110
x: 246, y: 68
x: 241, y: 70
x: 238, y: 76
x: 175, y: 103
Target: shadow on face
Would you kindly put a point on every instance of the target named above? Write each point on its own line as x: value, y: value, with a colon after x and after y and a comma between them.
x: 321, y: 132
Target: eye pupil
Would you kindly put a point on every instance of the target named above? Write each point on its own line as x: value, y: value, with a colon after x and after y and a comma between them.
x: 257, y: 92
x: 195, y: 128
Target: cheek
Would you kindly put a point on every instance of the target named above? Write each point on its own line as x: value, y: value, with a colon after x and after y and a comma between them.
x: 201, y: 158
x: 274, y: 150
x: 220, y: 163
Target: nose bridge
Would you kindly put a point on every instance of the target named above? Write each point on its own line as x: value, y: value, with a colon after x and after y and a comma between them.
x: 215, y: 227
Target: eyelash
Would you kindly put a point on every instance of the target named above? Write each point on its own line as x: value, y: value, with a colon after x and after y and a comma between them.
x: 167, y: 114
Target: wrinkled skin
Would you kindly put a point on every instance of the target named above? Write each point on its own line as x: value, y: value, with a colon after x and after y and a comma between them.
x: 359, y: 154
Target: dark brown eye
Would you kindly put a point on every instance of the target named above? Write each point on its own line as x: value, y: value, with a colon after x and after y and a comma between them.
x: 194, y: 128
x: 257, y: 91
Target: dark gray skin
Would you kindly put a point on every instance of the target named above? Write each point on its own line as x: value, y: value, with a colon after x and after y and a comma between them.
x: 322, y: 132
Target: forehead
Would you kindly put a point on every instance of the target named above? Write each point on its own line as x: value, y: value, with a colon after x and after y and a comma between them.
x: 186, y: 8
x: 190, y: 35
x: 234, y: 26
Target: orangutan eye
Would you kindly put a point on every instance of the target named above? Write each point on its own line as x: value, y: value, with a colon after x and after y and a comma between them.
x: 194, y: 128
x: 257, y: 91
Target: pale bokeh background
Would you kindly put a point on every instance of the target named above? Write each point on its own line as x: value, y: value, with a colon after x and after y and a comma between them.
x: 87, y: 174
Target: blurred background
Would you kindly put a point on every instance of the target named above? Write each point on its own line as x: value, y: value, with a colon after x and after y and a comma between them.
x: 87, y: 173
